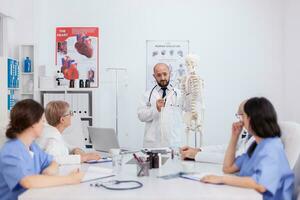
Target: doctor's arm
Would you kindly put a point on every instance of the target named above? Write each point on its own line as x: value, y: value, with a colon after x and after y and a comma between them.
x: 147, y: 113
x: 229, y: 159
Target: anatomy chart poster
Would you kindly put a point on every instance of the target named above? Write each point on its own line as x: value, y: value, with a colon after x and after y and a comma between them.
x: 77, y: 53
x: 170, y: 52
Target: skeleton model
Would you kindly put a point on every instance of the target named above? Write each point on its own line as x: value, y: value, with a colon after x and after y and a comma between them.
x: 193, y: 105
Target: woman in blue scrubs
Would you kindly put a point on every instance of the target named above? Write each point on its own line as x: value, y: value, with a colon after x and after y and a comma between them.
x: 23, y: 164
x: 264, y: 167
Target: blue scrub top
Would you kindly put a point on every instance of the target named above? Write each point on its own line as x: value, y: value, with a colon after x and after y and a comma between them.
x: 269, y: 167
x: 16, y: 162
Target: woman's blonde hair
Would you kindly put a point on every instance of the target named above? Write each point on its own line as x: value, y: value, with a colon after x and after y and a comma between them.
x: 54, y: 111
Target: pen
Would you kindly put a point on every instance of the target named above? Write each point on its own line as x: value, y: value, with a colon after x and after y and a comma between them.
x: 102, y: 160
x: 137, y: 158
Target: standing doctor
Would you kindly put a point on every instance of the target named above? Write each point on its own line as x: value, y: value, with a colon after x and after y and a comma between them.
x: 161, y: 111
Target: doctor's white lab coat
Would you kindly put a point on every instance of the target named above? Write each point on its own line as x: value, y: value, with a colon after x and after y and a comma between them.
x: 165, y: 128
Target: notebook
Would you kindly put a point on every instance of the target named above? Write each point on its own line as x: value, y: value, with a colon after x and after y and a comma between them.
x: 196, y: 176
x: 96, y: 173
x: 102, y: 160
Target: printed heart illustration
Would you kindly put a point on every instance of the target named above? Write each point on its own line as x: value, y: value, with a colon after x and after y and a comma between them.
x: 69, y: 68
x: 83, y: 45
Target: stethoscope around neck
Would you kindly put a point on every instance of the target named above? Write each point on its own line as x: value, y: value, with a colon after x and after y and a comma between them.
x: 149, y: 98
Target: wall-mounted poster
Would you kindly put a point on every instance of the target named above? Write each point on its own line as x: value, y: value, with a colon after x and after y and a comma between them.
x: 170, y: 52
x: 77, y: 53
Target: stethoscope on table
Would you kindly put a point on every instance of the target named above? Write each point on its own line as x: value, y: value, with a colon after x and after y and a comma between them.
x: 109, y: 185
x: 149, y: 98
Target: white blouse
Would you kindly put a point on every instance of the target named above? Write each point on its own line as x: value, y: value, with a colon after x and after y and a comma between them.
x: 52, y: 142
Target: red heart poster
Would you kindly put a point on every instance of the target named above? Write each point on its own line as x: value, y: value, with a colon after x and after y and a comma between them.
x: 77, y: 53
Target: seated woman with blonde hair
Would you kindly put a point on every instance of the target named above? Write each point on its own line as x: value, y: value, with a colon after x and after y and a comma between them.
x: 58, y: 116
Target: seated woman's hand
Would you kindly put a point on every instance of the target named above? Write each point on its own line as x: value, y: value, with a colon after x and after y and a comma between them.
x: 212, y: 179
x: 94, y: 156
x: 237, y: 129
x: 90, y: 156
x: 51, y: 170
x: 188, y: 152
x: 75, y: 176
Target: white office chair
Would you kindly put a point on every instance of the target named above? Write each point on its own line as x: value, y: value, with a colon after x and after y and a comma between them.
x: 74, y: 134
x: 2, y: 133
x: 291, y: 140
x: 297, y: 179
x: 2, y: 138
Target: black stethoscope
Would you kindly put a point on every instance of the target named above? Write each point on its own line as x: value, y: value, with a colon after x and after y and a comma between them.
x: 109, y: 185
x: 149, y: 98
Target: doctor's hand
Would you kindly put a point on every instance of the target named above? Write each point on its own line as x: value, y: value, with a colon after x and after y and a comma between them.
x: 237, y: 128
x: 188, y: 152
x: 159, y: 104
x: 213, y: 179
x: 89, y: 156
x: 75, y: 176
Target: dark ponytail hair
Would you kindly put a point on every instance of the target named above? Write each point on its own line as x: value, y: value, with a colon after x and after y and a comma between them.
x: 263, y: 117
x: 23, y: 115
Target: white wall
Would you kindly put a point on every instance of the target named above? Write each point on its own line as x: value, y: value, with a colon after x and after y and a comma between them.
x: 19, y: 24
x: 239, y: 42
x: 291, y: 60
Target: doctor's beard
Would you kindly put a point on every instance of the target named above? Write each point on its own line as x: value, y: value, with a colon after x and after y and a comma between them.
x: 163, y: 83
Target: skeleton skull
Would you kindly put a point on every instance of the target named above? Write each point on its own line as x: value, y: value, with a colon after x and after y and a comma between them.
x: 191, y: 62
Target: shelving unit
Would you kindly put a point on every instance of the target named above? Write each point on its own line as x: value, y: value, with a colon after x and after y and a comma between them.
x: 9, y: 86
x: 27, y: 79
x: 66, y: 89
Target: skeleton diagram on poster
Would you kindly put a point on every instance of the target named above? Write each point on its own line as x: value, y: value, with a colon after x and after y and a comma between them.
x: 170, y: 52
x: 77, y: 53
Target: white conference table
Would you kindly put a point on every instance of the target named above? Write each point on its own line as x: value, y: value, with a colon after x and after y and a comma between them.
x: 153, y: 188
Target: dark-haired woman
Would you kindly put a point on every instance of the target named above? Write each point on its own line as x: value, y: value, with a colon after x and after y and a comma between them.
x: 23, y: 164
x: 264, y: 167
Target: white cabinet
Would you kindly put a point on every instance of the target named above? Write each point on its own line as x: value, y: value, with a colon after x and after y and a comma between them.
x: 80, y: 101
x: 27, y: 77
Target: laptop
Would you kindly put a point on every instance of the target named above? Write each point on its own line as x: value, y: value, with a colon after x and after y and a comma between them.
x: 104, y: 139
